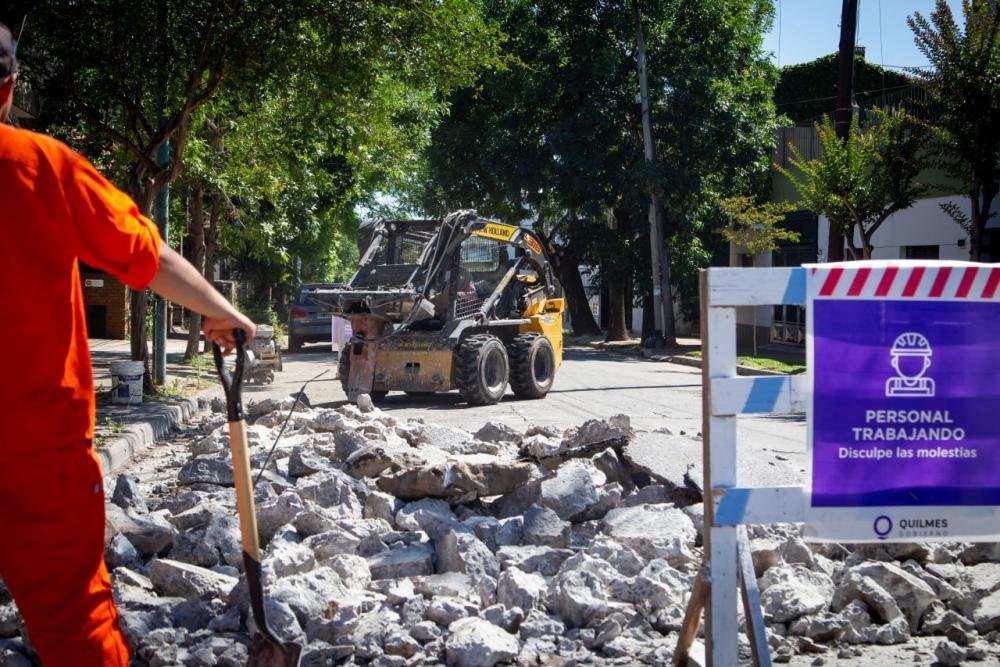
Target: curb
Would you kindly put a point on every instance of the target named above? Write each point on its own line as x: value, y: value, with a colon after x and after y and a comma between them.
x: 625, y: 351
x: 694, y: 362
x: 143, y: 432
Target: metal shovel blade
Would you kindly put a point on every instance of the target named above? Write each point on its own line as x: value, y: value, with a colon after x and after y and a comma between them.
x: 265, y: 653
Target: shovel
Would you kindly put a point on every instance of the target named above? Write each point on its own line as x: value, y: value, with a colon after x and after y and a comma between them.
x: 266, y: 648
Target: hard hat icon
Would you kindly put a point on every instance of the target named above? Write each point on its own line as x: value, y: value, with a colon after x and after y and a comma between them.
x: 911, y: 344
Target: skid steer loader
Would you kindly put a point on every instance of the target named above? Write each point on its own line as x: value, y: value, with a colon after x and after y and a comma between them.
x: 460, y: 303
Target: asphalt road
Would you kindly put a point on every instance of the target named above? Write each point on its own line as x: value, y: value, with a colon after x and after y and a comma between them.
x: 657, y: 396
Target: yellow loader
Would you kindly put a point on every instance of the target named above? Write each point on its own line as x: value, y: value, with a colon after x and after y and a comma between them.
x: 461, y: 303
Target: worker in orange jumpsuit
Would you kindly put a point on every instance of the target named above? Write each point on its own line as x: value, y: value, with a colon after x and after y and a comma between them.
x: 57, y: 211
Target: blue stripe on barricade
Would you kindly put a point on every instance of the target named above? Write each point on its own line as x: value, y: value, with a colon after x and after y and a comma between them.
x: 732, y: 507
x: 795, y: 292
x: 764, y: 394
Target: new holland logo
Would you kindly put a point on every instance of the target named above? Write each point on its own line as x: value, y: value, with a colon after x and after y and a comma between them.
x: 495, y: 231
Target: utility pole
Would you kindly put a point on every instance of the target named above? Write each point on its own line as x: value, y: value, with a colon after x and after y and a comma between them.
x: 663, y: 311
x: 161, y: 214
x: 845, y: 103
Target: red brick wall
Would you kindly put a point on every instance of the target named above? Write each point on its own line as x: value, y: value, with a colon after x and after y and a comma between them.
x: 113, y: 295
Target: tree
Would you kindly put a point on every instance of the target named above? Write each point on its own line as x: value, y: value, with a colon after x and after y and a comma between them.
x: 293, y: 163
x: 860, y: 182
x: 117, y: 90
x: 807, y: 91
x: 555, y: 135
x: 965, y: 84
x: 286, y: 114
x: 754, y: 226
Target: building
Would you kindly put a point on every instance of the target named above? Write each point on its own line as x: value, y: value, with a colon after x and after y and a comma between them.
x: 922, y: 231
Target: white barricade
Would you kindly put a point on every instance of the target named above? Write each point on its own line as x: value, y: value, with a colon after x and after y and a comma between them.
x: 874, y: 332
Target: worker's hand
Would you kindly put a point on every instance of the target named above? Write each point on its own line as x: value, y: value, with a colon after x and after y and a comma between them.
x: 178, y: 281
x: 219, y: 330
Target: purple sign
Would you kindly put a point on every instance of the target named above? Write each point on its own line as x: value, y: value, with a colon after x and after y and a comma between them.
x: 906, y: 403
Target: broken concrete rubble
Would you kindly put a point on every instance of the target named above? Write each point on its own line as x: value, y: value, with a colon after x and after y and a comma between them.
x: 398, y: 542
x: 462, y: 479
x: 173, y: 578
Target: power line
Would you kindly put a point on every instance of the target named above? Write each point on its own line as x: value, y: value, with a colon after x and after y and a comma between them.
x: 909, y: 66
x: 833, y: 97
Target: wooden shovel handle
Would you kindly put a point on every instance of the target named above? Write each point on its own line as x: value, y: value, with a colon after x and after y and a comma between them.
x: 244, y: 488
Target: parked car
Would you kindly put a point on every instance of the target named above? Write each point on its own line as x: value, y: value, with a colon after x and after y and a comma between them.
x: 307, y: 323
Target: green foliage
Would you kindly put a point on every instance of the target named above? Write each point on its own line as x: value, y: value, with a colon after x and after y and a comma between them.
x: 807, y: 91
x: 260, y: 310
x: 754, y: 226
x: 688, y: 254
x: 556, y: 134
x: 859, y: 182
x: 965, y: 85
x: 289, y: 116
x: 120, y: 78
x: 348, y: 120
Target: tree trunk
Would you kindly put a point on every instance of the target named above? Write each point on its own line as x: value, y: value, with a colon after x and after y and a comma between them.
x: 629, y: 305
x: 616, y: 312
x: 981, y: 197
x: 848, y: 236
x: 648, y: 318
x: 670, y: 224
x: 616, y: 281
x: 566, y: 266
x: 137, y: 324
x: 196, y: 227
x: 580, y: 316
x: 866, y: 242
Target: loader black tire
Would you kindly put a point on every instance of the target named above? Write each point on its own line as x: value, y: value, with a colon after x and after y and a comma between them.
x: 344, y: 372
x: 532, y: 365
x: 482, y: 369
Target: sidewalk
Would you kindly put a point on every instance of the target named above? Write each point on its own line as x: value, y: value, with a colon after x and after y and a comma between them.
x: 124, y: 430
x: 687, y: 352
x: 631, y: 346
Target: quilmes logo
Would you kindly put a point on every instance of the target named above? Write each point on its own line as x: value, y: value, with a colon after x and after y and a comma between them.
x: 910, y: 527
x: 882, y: 526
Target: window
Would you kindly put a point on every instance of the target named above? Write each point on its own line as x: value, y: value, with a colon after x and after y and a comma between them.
x: 410, y: 251
x: 921, y: 252
x: 480, y: 255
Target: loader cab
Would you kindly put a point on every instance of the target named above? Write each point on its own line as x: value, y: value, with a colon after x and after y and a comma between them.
x: 391, y: 252
x: 482, y: 264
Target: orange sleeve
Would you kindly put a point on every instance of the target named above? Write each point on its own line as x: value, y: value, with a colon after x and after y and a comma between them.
x: 111, y: 234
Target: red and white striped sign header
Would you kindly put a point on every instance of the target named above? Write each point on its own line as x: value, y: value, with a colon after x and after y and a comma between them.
x: 901, y: 279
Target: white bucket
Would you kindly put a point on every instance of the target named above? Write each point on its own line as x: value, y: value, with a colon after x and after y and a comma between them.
x: 126, y: 381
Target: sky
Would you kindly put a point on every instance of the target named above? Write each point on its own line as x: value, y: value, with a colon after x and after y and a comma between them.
x: 811, y: 28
